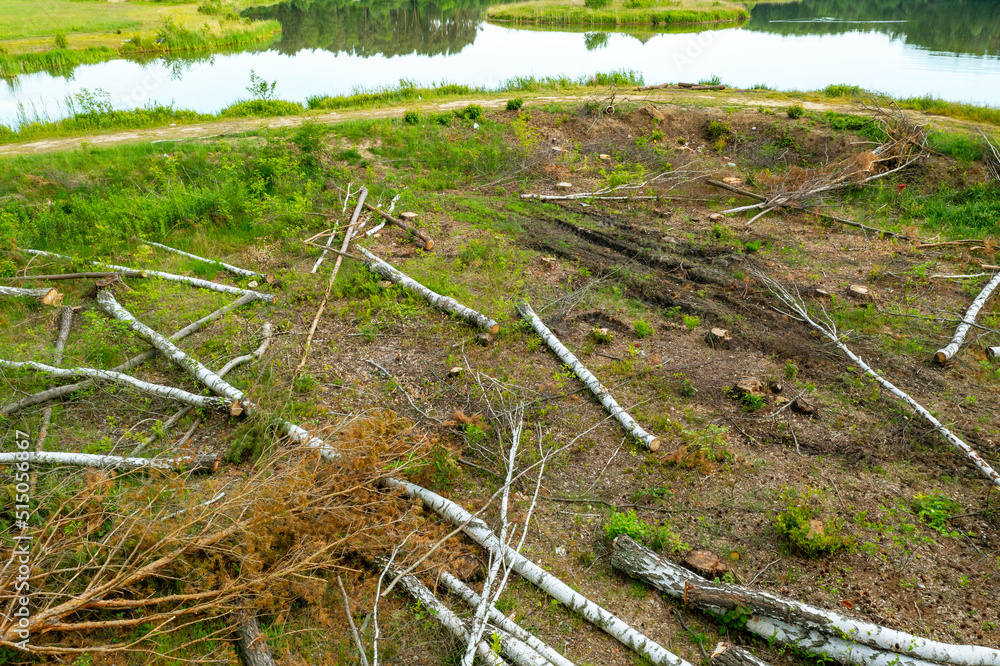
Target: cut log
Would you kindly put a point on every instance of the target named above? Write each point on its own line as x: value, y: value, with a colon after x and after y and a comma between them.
x: 135, y: 361
x: 993, y: 352
x: 957, y: 340
x: 463, y: 591
x: 725, y: 654
x: 206, y: 463
x: 859, y: 292
x: 229, y: 268
x: 813, y: 629
x: 479, y: 532
x: 455, y: 626
x: 194, y: 282
x: 160, y: 391
x: 347, y: 234
x: 651, y: 441
x: 251, y: 643
x: 82, y: 276
x: 446, y: 303
x: 50, y: 296
x: 718, y: 337
x: 428, y: 241
x: 215, y: 383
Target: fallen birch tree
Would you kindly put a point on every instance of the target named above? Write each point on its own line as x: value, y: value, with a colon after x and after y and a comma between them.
x: 428, y: 241
x: 238, y: 401
x: 194, y: 282
x: 235, y: 270
x: 65, y: 324
x: 479, y: 532
x: 135, y: 361
x: 50, y: 296
x: 798, y: 312
x: 651, y: 441
x: 725, y: 654
x: 208, y: 462
x: 350, y: 228
x: 82, y: 276
x: 446, y: 303
x: 469, y: 596
x: 945, y: 354
x: 822, y: 638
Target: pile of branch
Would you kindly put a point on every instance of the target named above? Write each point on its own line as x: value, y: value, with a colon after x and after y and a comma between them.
x: 815, y: 630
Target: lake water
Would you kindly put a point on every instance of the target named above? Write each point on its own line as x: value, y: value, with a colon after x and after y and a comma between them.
x: 946, y: 48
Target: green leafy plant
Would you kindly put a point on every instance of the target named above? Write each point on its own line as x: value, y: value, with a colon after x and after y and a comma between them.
x: 628, y: 524
x: 515, y: 104
x: 791, y: 370
x: 596, y: 4
x: 259, y: 88
x: 800, y: 525
x: 692, y: 322
x: 601, y: 336
x: 471, y: 112
x: 936, y: 510
x: 411, y: 117
x: 686, y: 388
x: 795, y: 111
x: 736, y: 618
x: 642, y: 328
x: 61, y: 42
x: 752, y: 402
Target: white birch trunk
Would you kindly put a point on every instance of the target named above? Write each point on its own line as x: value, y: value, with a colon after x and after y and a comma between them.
x: 443, y: 614
x: 651, y: 441
x: 381, y: 225
x: 993, y: 352
x: 725, y: 654
x: 469, y: 596
x: 46, y: 296
x: 206, y: 462
x: 957, y: 340
x: 446, y: 303
x: 479, y: 532
x: 350, y: 227
x: 160, y: 391
x: 816, y: 630
x: 213, y: 381
x: 135, y: 361
x: 235, y: 270
x: 194, y: 282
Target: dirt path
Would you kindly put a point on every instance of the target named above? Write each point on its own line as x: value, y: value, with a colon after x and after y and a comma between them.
x: 227, y: 127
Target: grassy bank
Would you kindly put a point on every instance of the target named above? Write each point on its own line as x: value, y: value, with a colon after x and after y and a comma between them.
x: 619, y: 12
x: 57, y: 35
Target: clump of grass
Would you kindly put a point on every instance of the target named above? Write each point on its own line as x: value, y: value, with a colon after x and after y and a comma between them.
x: 795, y: 111
x: 515, y: 104
x: 642, y: 328
x: 619, y: 12
x: 261, y: 108
x: 661, y: 537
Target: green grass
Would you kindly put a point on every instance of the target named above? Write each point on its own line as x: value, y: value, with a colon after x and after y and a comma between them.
x: 619, y: 12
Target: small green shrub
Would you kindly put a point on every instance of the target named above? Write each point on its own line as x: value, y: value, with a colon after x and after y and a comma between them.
x: 442, y: 118
x: 262, y: 108
x: 791, y: 370
x: 752, y: 246
x: 936, y: 510
x: 61, y: 42
x: 515, y: 104
x: 642, y: 328
x: 812, y: 537
x: 752, y: 402
x: 686, y: 387
x: 628, y: 524
x: 718, y: 130
x: 411, y: 118
x: 666, y: 539
x: 692, y: 322
x: 471, y: 112
x: 601, y: 336
x: 795, y: 111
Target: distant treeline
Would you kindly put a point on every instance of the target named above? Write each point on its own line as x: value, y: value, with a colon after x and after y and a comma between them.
x: 366, y: 27
x: 957, y: 26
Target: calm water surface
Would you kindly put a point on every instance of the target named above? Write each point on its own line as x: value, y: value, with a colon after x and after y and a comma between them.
x: 948, y: 48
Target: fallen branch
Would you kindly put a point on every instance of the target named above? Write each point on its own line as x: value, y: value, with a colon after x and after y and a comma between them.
x: 350, y: 621
x: 232, y: 269
x: 46, y: 296
x: 469, y: 596
x: 813, y: 629
x: 194, y: 282
x: 799, y: 312
x: 446, y: 303
x: 160, y: 391
x: 725, y: 654
x: 135, y: 361
x: 65, y: 324
x: 652, y: 442
x: 428, y: 241
x: 82, y: 276
x: 350, y: 228
x: 377, y: 228
x: 208, y: 462
x: 945, y: 354
x: 479, y: 532
x: 238, y: 400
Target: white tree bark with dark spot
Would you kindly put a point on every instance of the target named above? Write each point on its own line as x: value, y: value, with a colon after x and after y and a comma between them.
x: 479, y: 532
x: 651, y: 441
x: 446, y: 303
x: 194, y: 282
x: 946, y: 353
x: 813, y: 629
x: 235, y: 270
x: 209, y: 462
x: 725, y: 654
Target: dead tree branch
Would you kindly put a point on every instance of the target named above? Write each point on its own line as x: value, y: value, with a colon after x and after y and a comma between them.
x: 946, y: 353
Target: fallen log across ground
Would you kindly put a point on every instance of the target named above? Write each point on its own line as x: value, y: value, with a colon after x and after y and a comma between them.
x: 812, y: 629
x: 135, y: 361
x: 428, y: 241
x: 652, y: 442
x: 798, y: 312
x: 347, y: 235
x: 725, y: 654
x: 238, y: 401
x: 194, y: 282
x: 82, y: 276
x: 468, y: 595
x: 479, y: 532
x: 49, y: 296
x: 446, y: 303
x: 946, y: 353
x: 235, y: 270
x: 208, y: 462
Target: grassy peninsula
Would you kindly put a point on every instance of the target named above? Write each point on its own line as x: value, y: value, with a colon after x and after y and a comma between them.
x: 620, y: 12
x: 57, y: 35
